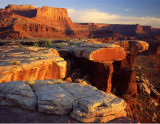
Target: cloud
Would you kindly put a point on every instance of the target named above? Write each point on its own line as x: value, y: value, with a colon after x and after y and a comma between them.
x: 129, y: 10
x: 93, y: 15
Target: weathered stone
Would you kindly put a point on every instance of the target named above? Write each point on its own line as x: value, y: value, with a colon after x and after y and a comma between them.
x: 62, y: 98
x: 155, y: 93
x: 59, y: 97
x: 99, y: 108
x: 132, y: 45
x: 52, y: 99
x: 82, y: 81
x: 17, y: 93
x: 100, y: 55
x: 34, y: 63
x: 144, y: 88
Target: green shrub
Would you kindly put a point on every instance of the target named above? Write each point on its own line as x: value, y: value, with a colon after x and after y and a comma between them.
x: 14, y: 62
x: 36, y: 44
x: 60, y: 45
x: 48, y: 43
x: 21, y: 46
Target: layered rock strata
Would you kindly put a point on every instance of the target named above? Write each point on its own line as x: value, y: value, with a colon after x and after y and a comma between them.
x: 30, y: 63
x: 26, y: 21
x: 107, y: 64
x: 84, y: 103
x: 124, y: 71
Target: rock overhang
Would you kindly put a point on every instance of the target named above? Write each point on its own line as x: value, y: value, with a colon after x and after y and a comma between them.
x: 109, y: 52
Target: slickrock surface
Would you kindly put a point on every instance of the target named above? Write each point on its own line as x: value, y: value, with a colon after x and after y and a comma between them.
x: 17, y: 93
x: 83, y: 102
x: 30, y: 63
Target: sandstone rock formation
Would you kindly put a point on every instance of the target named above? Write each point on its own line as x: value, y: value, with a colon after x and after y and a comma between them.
x: 30, y: 63
x: 26, y: 21
x: 131, y: 30
x: 17, y: 93
x: 19, y: 7
x: 83, y: 102
x: 124, y: 71
x: 106, y: 64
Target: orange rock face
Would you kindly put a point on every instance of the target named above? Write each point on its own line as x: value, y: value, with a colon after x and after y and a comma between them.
x: 30, y: 63
x: 52, y: 13
x: 106, y: 66
x: 26, y: 21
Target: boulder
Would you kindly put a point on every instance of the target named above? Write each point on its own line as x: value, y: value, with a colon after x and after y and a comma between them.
x: 155, y: 93
x: 144, y: 88
x: 17, y: 93
x: 99, y: 108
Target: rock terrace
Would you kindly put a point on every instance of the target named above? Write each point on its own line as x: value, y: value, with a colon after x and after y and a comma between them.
x: 25, y: 63
x: 83, y: 102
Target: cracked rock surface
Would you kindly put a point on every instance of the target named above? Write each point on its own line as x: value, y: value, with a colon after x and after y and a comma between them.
x: 83, y: 102
x: 19, y: 63
x: 17, y: 93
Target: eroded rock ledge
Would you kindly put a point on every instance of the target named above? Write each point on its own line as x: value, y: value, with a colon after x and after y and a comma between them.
x: 106, y: 66
x: 30, y: 63
x: 83, y: 102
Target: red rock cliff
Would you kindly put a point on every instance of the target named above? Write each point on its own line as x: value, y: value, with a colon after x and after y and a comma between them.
x: 26, y: 21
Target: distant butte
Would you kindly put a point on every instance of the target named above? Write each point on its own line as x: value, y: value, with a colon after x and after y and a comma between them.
x: 27, y: 21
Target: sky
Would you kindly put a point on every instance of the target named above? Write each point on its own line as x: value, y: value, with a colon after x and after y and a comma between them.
x: 144, y: 12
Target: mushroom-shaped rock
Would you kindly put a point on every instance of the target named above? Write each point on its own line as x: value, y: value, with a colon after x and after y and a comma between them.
x: 101, y: 55
x: 124, y: 76
x: 132, y: 45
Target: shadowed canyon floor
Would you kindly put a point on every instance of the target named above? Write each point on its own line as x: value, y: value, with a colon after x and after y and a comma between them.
x: 16, y: 115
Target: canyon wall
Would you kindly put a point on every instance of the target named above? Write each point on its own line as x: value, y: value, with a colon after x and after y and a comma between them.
x: 26, y: 21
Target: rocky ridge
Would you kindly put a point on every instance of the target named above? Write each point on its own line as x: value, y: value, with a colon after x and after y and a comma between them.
x: 95, y: 63
x: 82, y: 102
x: 26, y: 21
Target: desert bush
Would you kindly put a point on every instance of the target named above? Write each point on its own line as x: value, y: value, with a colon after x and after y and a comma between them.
x: 14, y: 62
x: 36, y: 44
x: 48, y: 43
x: 21, y: 46
x: 60, y: 45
